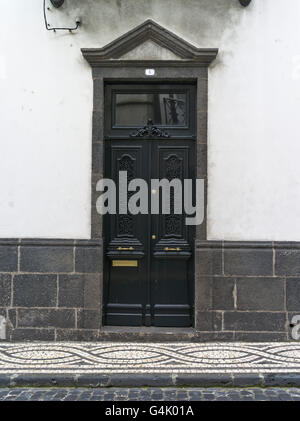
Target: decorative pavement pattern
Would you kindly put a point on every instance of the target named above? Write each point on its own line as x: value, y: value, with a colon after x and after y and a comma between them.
x: 150, y: 394
x: 149, y: 358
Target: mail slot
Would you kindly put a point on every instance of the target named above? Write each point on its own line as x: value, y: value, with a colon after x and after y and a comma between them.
x: 125, y: 263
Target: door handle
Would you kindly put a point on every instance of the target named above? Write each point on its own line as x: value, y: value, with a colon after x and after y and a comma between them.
x: 125, y: 248
x: 172, y: 249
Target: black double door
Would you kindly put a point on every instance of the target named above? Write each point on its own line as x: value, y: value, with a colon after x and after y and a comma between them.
x: 148, y: 258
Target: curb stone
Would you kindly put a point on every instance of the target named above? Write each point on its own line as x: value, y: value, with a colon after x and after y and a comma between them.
x: 148, y: 380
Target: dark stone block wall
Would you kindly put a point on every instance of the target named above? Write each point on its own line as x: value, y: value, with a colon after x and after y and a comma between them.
x: 247, y: 291
x: 51, y: 290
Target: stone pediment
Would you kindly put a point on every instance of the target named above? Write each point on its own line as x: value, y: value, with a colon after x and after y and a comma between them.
x: 149, y: 50
x: 149, y: 41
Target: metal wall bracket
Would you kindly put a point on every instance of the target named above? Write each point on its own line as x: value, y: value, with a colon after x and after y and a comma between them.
x: 58, y: 3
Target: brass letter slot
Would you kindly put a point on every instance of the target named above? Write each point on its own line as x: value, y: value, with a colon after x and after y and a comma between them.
x: 172, y: 249
x: 125, y: 263
x: 125, y: 248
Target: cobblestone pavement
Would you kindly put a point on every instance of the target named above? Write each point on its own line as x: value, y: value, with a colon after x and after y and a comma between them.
x: 150, y: 394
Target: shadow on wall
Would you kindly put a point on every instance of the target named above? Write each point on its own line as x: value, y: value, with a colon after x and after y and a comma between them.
x: 201, y: 22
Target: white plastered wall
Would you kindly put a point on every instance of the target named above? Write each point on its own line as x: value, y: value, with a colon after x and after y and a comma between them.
x: 254, y: 101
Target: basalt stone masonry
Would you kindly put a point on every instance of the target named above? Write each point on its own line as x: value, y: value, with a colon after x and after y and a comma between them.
x: 247, y: 291
x: 51, y: 290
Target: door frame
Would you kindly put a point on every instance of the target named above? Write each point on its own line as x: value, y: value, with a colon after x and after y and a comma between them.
x: 148, y: 306
x: 107, y: 68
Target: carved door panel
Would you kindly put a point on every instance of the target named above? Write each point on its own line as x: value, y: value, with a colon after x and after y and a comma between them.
x: 126, y: 239
x: 148, y: 259
x: 172, y: 249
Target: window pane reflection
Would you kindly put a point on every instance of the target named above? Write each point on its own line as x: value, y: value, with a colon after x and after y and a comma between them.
x: 167, y: 109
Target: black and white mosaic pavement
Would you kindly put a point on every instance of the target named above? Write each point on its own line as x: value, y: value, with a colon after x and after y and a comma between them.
x: 149, y: 358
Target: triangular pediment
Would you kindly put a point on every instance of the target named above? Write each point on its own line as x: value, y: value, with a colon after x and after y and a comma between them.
x: 149, y: 50
x: 149, y: 41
